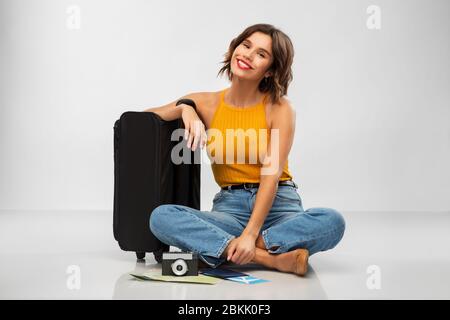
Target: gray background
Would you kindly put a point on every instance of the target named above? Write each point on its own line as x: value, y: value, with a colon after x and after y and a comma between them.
x: 373, y: 131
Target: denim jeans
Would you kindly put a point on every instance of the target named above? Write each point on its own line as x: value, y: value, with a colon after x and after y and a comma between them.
x: 286, y: 227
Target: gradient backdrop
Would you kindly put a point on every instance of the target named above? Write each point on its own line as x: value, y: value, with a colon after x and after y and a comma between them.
x: 373, y: 105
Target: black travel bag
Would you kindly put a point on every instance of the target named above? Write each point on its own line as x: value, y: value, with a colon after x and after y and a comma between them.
x: 146, y: 177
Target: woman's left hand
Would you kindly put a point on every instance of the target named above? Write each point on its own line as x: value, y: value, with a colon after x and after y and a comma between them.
x: 242, y: 249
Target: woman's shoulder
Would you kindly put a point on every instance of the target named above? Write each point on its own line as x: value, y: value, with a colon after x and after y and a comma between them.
x: 283, y: 104
x: 206, y: 102
x: 205, y: 99
x: 283, y: 109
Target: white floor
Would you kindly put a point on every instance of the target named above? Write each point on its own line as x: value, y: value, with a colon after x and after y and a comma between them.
x: 410, y: 251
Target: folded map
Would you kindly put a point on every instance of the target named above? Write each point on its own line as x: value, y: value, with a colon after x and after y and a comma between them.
x: 202, y: 279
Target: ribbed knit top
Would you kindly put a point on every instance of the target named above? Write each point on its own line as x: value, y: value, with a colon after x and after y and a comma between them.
x: 248, y: 136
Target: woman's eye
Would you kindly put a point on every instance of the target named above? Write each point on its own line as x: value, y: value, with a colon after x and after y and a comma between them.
x: 245, y: 45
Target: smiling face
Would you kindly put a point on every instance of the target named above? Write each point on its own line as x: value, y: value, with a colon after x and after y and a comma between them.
x: 270, y: 54
x: 253, y: 57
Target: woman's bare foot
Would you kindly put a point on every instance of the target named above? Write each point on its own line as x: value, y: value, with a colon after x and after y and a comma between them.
x: 295, y: 261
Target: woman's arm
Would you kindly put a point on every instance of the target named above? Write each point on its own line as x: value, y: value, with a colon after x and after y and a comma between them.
x: 195, y: 132
x: 242, y: 249
x: 170, y: 111
x: 283, y: 120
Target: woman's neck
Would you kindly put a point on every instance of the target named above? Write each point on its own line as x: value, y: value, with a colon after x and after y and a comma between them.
x: 243, y: 95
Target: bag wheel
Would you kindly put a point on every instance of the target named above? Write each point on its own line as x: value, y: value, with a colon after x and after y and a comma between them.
x: 140, y: 255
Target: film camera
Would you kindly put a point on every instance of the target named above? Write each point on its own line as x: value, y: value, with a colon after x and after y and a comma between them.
x: 179, y: 264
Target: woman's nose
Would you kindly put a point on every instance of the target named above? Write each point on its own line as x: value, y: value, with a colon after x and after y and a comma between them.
x: 249, y: 57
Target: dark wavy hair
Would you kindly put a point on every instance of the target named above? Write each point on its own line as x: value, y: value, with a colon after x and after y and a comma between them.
x: 281, y: 68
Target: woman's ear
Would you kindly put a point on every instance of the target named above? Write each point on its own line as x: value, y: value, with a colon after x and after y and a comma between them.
x: 268, y: 74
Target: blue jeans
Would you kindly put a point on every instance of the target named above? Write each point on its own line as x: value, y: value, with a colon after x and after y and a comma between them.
x: 286, y: 227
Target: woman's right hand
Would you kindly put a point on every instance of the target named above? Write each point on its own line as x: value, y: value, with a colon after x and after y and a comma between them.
x: 194, y: 128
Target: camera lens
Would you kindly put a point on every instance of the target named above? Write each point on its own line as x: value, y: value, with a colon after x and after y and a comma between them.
x: 179, y: 267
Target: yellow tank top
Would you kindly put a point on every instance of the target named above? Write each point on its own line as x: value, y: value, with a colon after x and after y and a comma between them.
x: 247, y: 124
